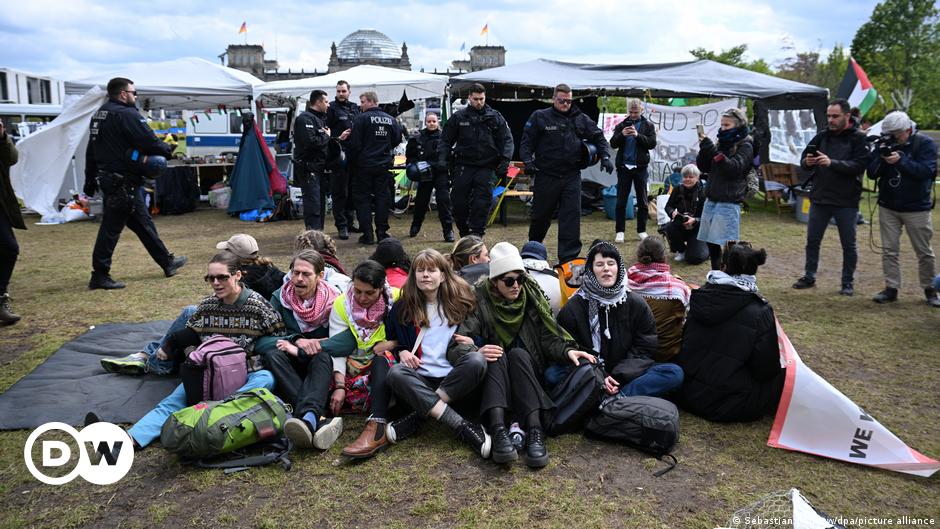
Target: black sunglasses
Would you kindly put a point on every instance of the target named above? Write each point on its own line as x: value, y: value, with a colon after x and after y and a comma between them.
x: 564, y: 101
x: 130, y: 91
x: 510, y: 281
x: 221, y: 278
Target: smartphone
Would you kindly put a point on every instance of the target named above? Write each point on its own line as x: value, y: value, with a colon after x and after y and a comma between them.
x: 700, y: 129
x: 812, y: 150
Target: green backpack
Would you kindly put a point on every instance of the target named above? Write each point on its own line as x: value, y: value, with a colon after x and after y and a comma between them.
x: 216, y: 427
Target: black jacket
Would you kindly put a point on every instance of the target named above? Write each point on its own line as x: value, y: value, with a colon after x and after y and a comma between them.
x: 479, y: 138
x: 340, y: 116
x: 633, y: 339
x: 263, y: 279
x: 687, y: 201
x: 727, y: 180
x: 729, y: 355
x: 906, y: 185
x: 840, y: 184
x: 645, y: 140
x: 375, y: 134
x: 310, y: 142
x: 424, y: 147
x: 551, y: 140
x: 116, y: 129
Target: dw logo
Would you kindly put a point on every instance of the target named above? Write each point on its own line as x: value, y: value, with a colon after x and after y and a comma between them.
x: 105, y: 453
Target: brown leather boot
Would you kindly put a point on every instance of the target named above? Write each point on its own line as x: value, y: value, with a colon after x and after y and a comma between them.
x: 371, y: 441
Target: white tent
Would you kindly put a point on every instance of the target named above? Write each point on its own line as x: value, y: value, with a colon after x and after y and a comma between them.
x: 43, y: 174
x: 388, y: 83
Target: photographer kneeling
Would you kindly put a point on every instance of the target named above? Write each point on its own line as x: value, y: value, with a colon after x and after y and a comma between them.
x: 905, y: 166
x: 685, y: 209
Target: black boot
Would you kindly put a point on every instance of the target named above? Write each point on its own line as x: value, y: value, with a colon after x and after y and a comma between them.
x: 415, y: 230
x: 932, y: 299
x: 887, y: 295
x: 503, y: 451
x: 7, y: 316
x: 103, y: 282
x: 448, y: 233
x: 536, y: 455
x: 175, y: 264
x: 343, y: 233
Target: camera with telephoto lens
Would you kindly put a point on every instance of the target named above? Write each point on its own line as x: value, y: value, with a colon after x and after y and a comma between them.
x: 886, y: 144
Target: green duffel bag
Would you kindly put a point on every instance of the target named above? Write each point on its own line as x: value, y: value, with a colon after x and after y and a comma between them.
x: 216, y: 427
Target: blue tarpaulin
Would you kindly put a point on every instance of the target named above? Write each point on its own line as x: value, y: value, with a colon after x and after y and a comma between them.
x: 251, y: 188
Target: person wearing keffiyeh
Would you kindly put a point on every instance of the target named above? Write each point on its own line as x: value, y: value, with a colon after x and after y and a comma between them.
x: 666, y: 294
x: 618, y: 327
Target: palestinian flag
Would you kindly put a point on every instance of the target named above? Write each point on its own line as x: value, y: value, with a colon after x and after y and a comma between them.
x: 857, y: 88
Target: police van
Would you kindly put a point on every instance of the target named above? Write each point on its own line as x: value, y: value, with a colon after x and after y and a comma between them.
x: 213, y: 133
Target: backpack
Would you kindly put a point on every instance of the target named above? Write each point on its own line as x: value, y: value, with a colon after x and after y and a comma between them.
x: 271, y: 451
x: 217, y: 427
x: 649, y: 424
x: 570, y: 277
x: 215, y: 370
x: 576, y: 397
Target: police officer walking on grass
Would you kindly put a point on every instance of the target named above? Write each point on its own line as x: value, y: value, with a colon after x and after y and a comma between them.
x: 117, y: 130
x: 311, y: 139
x: 552, y: 149
x: 339, y: 119
x: 475, y: 142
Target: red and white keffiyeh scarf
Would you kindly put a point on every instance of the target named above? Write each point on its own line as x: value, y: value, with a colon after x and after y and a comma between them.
x: 654, y: 281
x: 311, y: 313
x: 367, y: 320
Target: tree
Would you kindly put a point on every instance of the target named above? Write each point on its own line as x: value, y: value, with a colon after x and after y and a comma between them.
x: 899, y: 48
x: 733, y: 57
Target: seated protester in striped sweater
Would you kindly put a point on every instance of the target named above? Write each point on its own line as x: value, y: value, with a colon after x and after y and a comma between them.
x: 514, y: 329
x: 258, y: 274
x: 320, y: 242
x: 666, y: 294
x: 433, y: 376
x: 301, y: 370
x: 233, y: 311
x: 619, y: 328
x: 361, y: 364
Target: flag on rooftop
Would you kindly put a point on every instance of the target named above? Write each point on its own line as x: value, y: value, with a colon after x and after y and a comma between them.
x: 485, y: 30
x: 243, y: 29
x: 463, y: 46
x: 857, y: 89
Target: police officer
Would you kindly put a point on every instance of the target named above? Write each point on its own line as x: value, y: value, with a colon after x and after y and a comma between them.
x: 311, y: 139
x: 476, y: 141
x: 339, y: 119
x: 423, y: 147
x: 552, y: 147
x: 119, y: 138
x: 372, y: 142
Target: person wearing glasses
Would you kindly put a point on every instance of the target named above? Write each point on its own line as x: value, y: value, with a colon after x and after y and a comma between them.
x: 552, y: 151
x: 515, y: 330
x: 730, y: 353
x: 233, y: 311
x: 118, y: 131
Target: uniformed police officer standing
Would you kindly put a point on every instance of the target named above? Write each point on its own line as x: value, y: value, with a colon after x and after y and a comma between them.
x: 552, y: 149
x: 311, y: 139
x: 424, y: 147
x: 119, y: 139
x: 375, y: 135
x: 476, y: 141
x: 339, y: 119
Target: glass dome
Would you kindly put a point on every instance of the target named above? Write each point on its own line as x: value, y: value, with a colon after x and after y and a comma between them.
x: 367, y: 44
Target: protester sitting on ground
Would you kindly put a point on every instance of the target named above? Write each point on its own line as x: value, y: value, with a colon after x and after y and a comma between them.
x: 432, y: 375
x: 666, y: 294
x: 301, y: 371
x: 535, y: 258
x: 618, y: 327
x: 316, y: 240
x: 233, y: 311
x: 684, y: 209
x: 258, y: 272
x: 391, y: 254
x: 514, y: 317
x: 360, y: 372
x: 729, y: 348
x: 470, y: 258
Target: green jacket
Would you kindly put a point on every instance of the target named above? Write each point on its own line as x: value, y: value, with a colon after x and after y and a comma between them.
x: 342, y: 344
x: 8, y: 202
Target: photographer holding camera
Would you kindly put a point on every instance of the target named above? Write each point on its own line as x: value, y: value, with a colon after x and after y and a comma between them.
x: 905, y: 165
x: 685, y: 209
x: 836, y: 159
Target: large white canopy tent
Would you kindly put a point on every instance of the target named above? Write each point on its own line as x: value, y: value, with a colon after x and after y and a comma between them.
x: 43, y: 174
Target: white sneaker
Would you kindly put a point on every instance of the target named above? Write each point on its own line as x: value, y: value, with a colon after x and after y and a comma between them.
x: 642, y: 235
x: 618, y: 237
x: 680, y: 256
x: 327, y: 433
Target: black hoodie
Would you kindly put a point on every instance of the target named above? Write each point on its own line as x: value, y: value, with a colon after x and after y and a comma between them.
x: 729, y: 355
x: 840, y: 184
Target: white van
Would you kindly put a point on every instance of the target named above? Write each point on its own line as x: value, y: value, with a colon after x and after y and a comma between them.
x: 218, y: 134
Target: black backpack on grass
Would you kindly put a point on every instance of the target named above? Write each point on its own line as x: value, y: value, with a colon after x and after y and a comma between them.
x: 577, y: 397
x: 649, y: 424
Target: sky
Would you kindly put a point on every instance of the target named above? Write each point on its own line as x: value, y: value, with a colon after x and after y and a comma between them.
x: 76, y: 38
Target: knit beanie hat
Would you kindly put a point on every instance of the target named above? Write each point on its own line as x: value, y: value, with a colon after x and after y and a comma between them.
x: 504, y: 257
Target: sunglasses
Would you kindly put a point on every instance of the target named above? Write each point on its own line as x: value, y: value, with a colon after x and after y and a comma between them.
x: 221, y: 278
x: 134, y: 92
x: 511, y: 281
x: 564, y: 101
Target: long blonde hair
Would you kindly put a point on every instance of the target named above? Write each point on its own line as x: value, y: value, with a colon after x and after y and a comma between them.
x: 454, y: 297
x: 464, y: 249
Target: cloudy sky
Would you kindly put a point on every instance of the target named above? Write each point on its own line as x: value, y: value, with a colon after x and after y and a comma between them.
x: 75, y: 38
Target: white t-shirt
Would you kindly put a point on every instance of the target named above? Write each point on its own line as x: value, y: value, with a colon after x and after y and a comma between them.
x: 434, y: 362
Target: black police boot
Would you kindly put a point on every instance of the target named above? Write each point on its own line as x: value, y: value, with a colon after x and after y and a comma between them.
x: 503, y: 451
x: 7, y: 316
x: 175, y: 264
x: 343, y: 233
x: 103, y: 282
x: 415, y: 230
x: 448, y: 233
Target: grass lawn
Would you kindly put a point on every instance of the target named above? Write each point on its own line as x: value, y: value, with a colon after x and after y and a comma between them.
x: 883, y: 357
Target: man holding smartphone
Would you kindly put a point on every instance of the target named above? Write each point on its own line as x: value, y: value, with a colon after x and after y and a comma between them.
x: 836, y: 159
x: 634, y: 137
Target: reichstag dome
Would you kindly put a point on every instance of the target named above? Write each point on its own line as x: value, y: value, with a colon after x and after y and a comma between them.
x: 367, y: 46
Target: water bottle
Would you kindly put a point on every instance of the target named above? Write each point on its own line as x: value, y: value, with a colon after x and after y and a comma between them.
x: 516, y: 436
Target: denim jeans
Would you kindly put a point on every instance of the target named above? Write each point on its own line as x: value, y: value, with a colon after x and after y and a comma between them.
x: 658, y: 380
x: 148, y: 428
x: 165, y: 367
x: 845, y: 218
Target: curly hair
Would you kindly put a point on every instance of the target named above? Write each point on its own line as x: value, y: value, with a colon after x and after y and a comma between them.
x: 315, y: 240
